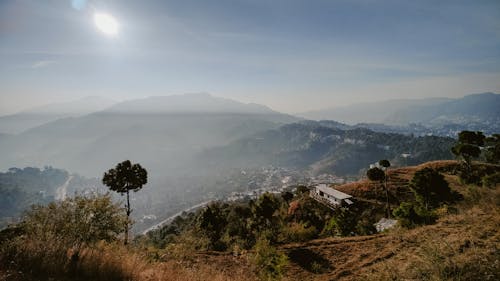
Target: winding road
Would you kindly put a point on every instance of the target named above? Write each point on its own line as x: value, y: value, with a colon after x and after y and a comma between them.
x: 62, y: 190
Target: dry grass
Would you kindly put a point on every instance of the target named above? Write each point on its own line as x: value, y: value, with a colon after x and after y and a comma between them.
x: 116, y: 262
x: 464, y: 244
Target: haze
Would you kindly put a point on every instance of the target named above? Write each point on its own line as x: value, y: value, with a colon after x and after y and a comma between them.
x: 293, y: 56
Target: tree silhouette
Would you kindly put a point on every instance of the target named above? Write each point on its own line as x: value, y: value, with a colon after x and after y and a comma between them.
x: 124, y: 178
x: 386, y: 164
x: 430, y: 188
x: 377, y: 174
x: 468, y: 146
x: 493, y: 149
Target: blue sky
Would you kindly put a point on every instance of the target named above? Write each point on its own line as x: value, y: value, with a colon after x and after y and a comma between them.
x: 288, y: 54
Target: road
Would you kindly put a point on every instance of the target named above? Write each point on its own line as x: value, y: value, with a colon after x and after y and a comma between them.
x: 62, y: 190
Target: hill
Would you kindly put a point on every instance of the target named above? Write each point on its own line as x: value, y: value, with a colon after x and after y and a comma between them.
x: 373, y: 112
x: 21, y: 188
x: 461, y: 244
x: 199, y: 103
x: 441, y: 116
x: 152, y: 131
x: 328, y: 147
x: 459, y: 237
x: 34, y: 117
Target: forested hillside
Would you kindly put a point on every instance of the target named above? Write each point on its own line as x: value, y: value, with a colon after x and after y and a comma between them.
x: 22, y: 187
x: 325, y: 148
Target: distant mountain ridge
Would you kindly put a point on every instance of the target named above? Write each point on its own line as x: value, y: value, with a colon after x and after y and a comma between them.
x: 327, y: 147
x: 31, y: 118
x: 471, y: 108
x: 373, y: 112
x: 152, y: 130
x: 188, y: 103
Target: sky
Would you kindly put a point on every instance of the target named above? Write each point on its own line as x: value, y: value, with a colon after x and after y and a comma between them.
x: 291, y: 55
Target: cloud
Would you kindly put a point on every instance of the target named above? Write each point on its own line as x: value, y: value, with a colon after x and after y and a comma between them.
x: 42, y: 63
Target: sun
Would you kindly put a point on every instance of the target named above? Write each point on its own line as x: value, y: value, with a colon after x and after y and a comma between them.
x: 106, y: 23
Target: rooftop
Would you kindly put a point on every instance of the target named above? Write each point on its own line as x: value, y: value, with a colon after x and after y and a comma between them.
x: 333, y: 192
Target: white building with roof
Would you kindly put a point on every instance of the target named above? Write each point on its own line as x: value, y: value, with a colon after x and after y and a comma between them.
x: 330, y: 196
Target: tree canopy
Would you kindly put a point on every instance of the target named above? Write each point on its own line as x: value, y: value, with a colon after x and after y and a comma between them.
x: 430, y: 188
x: 384, y: 163
x: 469, y: 145
x: 124, y: 178
x: 375, y: 174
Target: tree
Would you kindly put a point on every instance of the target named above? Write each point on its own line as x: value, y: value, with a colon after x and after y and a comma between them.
x: 430, y: 188
x: 386, y: 164
x: 493, y: 149
x: 410, y: 214
x: 468, y: 146
x: 377, y: 174
x: 124, y: 178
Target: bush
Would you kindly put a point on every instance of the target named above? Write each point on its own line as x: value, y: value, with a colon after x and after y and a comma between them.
x: 491, y: 181
x: 55, y: 236
x: 410, y: 215
x: 269, y: 262
x: 430, y: 188
x: 343, y: 223
x: 298, y: 232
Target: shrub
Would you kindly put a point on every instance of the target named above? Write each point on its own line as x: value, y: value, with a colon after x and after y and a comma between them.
x: 55, y: 235
x: 269, y: 262
x: 430, y: 188
x: 492, y: 180
x: 410, y: 214
x: 298, y: 232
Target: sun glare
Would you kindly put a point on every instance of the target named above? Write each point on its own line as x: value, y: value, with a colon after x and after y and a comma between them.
x: 106, y: 23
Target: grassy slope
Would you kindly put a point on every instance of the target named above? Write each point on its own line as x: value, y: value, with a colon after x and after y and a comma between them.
x: 464, y: 242
x: 462, y: 245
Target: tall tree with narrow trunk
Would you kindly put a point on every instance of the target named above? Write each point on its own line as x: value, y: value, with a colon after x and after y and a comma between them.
x: 385, y: 164
x: 124, y: 178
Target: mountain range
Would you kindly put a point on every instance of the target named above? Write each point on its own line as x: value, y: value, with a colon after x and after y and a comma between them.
x: 153, y: 130
x: 34, y: 117
x: 477, y: 110
x: 188, y: 143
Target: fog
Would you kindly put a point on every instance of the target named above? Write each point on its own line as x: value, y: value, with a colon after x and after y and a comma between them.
x: 216, y: 98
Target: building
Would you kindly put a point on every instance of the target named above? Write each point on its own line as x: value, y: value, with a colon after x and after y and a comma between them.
x: 331, y: 197
x: 384, y: 224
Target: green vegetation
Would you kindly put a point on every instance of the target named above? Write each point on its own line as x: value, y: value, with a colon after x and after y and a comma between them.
x: 468, y: 146
x: 474, y: 145
x: 375, y: 174
x: 124, y: 178
x: 52, y: 239
x: 378, y: 174
x: 430, y: 188
x: 492, y: 180
x: 492, y: 151
x: 431, y: 191
x: 20, y: 188
x: 275, y: 236
x: 270, y: 263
